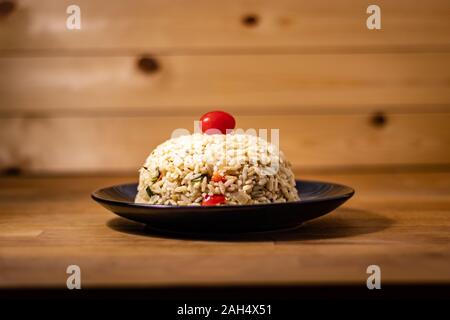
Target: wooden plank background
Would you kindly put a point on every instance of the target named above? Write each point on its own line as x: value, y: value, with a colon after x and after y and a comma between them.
x: 214, y: 25
x: 256, y: 83
x: 100, y: 98
x: 311, y: 141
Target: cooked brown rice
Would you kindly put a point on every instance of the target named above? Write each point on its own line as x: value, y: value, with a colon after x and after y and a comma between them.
x: 179, y: 171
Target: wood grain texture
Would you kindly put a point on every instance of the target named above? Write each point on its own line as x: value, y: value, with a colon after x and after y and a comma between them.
x: 400, y: 222
x: 78, y: 101
x: 240, y: 83
x: 309, y: 141
x: 205, y: 25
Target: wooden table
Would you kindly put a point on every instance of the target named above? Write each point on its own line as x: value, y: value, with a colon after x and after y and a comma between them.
x: 398, y: 221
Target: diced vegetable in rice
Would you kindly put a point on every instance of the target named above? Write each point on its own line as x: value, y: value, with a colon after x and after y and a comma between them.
x: 244, y: 168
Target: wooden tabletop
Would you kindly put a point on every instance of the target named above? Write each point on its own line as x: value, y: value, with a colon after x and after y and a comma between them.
x: 398, y: 221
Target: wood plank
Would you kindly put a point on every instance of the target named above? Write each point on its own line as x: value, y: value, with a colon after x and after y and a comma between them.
x: 410, y: 243
x: 310, y: 141
x: 204, y: 25
x: 266, y: 84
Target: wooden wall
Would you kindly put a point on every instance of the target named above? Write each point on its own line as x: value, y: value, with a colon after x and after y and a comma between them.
x: 100, y: 98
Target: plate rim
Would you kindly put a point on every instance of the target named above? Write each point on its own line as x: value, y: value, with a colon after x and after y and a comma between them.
x: 96, y: 197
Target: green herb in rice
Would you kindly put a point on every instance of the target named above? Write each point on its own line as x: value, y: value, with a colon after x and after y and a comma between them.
x: 199, y: 177
x: 156, y: 177
x: 149, y: 192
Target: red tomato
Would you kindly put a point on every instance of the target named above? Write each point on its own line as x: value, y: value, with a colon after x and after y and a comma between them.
x: 218, y: 120
x: 213, y: 200
x: 217, y: 177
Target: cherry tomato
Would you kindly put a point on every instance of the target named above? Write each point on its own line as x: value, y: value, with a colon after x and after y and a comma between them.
x: 218, y: 120
x: 217, y: 177
x: 213, y: 200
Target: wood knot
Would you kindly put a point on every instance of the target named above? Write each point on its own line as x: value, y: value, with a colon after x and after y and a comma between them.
x: 250, y: 20
x: 378, y: 119
x: 11, y: 171
x: 6, y: 8
x: 148, y: 64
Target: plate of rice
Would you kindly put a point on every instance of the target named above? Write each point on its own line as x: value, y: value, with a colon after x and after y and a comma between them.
x: 220, y: 180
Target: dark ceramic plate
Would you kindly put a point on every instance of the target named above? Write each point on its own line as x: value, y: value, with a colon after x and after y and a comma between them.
x: 317, y: 199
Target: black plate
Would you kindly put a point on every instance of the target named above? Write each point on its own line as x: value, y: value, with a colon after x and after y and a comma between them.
x: 317, y: 199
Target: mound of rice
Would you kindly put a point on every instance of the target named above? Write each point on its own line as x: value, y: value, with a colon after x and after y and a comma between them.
x: 179, y: 171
